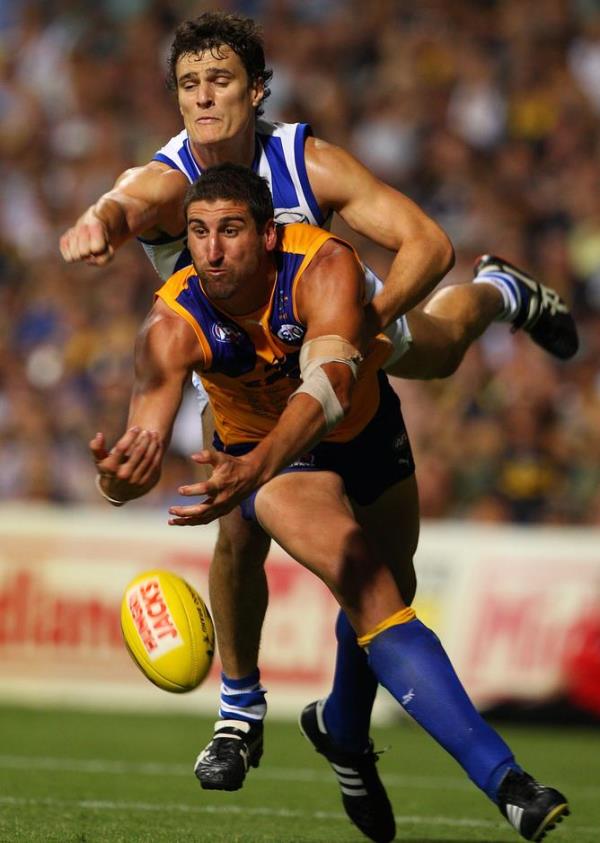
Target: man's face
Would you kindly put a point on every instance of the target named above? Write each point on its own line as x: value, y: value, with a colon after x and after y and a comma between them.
x: 216, y: 100
x: 228, y: 252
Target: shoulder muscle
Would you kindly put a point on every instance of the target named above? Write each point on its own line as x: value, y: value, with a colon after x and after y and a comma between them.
x: 166, y: 347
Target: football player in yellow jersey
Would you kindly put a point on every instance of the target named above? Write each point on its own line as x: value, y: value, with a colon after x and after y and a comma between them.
x: 217, y: 68
x: 223, y: 319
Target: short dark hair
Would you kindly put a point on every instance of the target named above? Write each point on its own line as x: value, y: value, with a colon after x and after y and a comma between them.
x: 233, y: 181
x: 212, y: 30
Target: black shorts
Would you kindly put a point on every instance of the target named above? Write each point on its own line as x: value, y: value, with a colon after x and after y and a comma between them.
x: 379, y: 457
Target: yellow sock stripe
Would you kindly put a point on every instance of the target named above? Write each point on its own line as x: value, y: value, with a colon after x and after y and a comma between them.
x: 402, y: 616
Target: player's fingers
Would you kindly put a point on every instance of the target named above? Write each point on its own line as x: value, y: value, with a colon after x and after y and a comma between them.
x: 89, y: 241
x: 149, y: 461
x: 192, y: 520
x: 97, y: 446
x: 64, y: 245
x: 100, y: 260
x: 200, y: 513
x: 132, y: 453
x: 208, y: 457
x: 193, y: 489
x: 97, y: 239
x: 122, y: 446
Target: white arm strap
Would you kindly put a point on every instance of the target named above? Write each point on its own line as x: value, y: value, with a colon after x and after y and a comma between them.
x: 313, y: 355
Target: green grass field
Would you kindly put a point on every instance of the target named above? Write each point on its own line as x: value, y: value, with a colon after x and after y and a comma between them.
x: 88, y: 777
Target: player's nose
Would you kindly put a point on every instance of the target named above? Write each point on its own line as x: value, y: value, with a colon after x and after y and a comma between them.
x: 204, y: 95
x: 215, y: 250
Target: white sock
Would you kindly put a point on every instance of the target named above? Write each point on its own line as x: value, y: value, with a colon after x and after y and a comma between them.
x: 508, y: 289
x: 243, y: 699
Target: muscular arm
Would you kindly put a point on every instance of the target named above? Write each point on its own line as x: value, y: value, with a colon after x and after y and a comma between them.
x: 166, y: 351
x: 423, y: 251
x: 145, y: 200
x: 330, y: 302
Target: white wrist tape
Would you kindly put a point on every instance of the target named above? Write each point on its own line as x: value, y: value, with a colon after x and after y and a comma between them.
x: 103, y: 493
x: 313, y: 355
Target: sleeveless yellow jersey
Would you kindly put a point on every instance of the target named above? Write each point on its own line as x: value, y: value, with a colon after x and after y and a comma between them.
x: 252, y: 364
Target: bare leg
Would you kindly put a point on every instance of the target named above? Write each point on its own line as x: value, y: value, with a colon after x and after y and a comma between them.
x: 238, y: 592
x: 237, y: 585
x: 348, y: 725
x: 443, y: 331
x: 398, y: 509
x: 334, y: 547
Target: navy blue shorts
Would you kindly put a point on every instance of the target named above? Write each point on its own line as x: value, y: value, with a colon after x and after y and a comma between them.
x: 379, y: 457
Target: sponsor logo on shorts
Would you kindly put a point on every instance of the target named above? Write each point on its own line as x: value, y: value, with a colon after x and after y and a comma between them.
x: 400, y: 442
x: 151, y: 617
x: 291, y: 333
x: 226, y: 333
x: 305, y: 461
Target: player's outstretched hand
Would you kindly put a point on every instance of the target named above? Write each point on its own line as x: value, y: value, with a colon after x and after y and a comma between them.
x: 131, y: 467
x: 87, y: 241
x: 232, y: 480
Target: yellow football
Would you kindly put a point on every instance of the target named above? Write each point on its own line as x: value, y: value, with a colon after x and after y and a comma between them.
x: 168, y: 630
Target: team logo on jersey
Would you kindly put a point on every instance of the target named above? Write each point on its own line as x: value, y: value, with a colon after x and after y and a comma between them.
x: 291, y: 333
x: 287, y: 217
x: 227, y: 333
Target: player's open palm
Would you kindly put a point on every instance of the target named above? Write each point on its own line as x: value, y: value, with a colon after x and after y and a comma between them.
x: 232, y: 480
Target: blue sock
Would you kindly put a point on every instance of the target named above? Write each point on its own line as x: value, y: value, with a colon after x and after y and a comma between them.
x: 347, y: 711
x: 243, y: 699
x: 411, y: 663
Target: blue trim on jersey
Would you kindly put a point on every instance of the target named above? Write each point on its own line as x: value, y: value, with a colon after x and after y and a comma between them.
x: 191, y: 167
x: 233, y: 351
x: 282, y: 322
x: 184, y: 259
x: 284, y: 192
x: 256, y: 160
x: 164, y: 159
x: 304, y: 131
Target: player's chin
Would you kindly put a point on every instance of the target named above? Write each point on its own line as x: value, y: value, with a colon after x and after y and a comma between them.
x: 206, y: 133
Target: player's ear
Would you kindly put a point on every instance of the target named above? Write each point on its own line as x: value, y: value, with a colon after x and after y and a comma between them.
x: 257, y: 92
x: 270, y: 235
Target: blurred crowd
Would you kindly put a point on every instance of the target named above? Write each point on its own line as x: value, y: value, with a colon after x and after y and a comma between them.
x: 483, y: 111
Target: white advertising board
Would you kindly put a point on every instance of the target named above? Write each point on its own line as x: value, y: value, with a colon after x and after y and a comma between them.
x: 506, y: 603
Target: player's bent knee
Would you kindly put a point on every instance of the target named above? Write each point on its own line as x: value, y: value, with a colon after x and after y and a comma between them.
x: 242, y: 542
x: 448, y: 364
x: 355, y: 574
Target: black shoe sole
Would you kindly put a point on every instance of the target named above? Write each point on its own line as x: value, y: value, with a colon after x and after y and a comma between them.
x: 550, y: 822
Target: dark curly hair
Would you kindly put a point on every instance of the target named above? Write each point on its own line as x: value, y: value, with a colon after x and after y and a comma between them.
x: 233, y: 181
x: 212, y: 30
